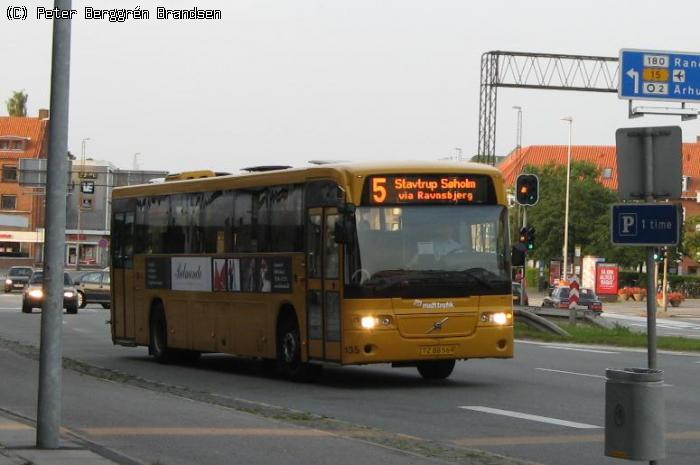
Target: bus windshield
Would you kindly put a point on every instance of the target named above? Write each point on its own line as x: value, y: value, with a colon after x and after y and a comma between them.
x: 428, y: 251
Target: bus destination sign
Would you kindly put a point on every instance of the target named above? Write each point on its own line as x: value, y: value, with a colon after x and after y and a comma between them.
x: 429, y: 189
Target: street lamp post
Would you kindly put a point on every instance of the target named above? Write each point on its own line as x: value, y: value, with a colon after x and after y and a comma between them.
x: 80, y: 202
x: 518, y: 148
x: 570, y: 120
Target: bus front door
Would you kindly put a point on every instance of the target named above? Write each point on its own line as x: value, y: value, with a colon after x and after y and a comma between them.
x: 323, y: 293
x: 123, y: 317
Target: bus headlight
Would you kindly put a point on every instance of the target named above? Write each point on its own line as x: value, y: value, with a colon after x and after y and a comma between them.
x: 368, y: 322
x: 36, y: 293
x: 68, y: 294
x: 498, y: 318
x: 375, y: 322
x: 8, y: 281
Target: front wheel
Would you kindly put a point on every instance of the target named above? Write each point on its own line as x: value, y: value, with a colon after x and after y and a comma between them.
x: 437, y: 369
x: 72, y: 310
x: 289, y: 354
x: 81, y: 300
x: 26, y: 308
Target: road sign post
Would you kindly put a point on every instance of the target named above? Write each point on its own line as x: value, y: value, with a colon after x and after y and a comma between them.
x: 650, y: 159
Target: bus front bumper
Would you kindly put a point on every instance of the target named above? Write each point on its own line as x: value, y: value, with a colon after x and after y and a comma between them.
x: 383, y: 346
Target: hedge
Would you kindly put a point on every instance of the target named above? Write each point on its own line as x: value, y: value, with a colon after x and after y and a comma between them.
x: 688, y: 285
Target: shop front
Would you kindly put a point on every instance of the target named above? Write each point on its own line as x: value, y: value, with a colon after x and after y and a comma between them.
x: 22, y: 244
x: 89, y: 249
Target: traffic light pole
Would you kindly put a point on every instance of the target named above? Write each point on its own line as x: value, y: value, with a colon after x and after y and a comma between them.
x: 523, y: 281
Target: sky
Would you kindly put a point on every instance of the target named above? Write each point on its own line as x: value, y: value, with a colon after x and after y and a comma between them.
x: 284, y: 82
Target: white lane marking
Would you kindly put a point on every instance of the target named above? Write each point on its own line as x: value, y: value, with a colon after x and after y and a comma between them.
x: 571, y: 373
x: 643, y: 319
x: 585, y: 374
x: 619, y: 349
x: 527, y: 416
x: 78, y: 330
x: 593, y: 351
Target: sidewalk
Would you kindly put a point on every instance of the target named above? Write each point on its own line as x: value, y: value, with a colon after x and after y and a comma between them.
x: 18, y: 447
x: 688, y: 309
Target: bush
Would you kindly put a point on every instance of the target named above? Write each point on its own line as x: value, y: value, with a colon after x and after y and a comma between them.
x: 533, y: 277
x: 631, y: 279
x: 689, y: 286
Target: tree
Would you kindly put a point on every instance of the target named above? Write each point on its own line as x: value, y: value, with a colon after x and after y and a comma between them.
x: 691, y: 237
x: 17, y: 104
x: 589, y: 215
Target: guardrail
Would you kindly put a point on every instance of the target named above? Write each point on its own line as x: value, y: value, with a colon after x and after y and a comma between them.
x: 535, y: 317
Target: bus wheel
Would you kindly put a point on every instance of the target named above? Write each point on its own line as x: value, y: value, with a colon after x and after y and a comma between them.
x: 437, y: 369
x: 159, y: 335
x: 289, y: 354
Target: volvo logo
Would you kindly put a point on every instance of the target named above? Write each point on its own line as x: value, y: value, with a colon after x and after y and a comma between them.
x: 437, y: 326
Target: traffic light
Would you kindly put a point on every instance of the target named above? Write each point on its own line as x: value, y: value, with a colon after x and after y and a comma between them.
x: 523, y: 236
x: 660, y: 254
x: 526, y: 238
x: 527, y: 189
x: 530, y: 238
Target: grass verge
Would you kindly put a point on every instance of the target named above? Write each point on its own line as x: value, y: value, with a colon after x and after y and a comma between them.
x: 586, y: 333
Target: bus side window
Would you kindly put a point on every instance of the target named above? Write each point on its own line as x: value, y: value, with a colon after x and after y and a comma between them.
x: 243, y: 222
x: 314, y: 244
x: 330, y: 270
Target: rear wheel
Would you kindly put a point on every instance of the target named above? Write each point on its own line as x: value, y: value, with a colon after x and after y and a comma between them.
x: 81, y: 300
x: 289, y: 353
x: 105, y: 305
x: 436, y: 369
x: 159, y: 335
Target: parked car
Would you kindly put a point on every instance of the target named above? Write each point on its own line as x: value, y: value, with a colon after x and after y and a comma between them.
x: 94, y: 287
x: 560, y: 299
x: 516, y: 295
x: 589, y: 298
x: 33, y: 295
x: 17, y: 277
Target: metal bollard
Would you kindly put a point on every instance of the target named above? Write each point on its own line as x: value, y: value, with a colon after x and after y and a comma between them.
x: 635, y: 422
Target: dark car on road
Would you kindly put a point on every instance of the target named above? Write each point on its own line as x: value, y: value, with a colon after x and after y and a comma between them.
x: 94, y: 287
x: 560, y: 299
x: 17, y: 278
x: 517, y: 296
x: 34, y: 294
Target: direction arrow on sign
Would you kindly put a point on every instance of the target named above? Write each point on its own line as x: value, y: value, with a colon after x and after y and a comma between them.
x: 659, y: 75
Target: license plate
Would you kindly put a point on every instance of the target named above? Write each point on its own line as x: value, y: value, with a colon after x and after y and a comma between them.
x: 437, y: 350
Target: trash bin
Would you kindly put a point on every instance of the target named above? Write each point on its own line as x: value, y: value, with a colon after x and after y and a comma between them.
x: 634, y: 414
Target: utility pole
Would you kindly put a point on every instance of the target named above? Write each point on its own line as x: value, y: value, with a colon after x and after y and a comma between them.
x: 50, y: 367
x: 80, y: 203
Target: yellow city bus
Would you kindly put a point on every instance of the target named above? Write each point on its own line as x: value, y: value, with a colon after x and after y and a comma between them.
x: 343, y: 264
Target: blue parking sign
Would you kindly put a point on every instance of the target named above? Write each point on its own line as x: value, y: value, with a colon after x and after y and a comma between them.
x: 646, y: 224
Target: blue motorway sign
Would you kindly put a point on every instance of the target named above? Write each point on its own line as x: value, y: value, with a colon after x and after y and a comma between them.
x: 648, y: 224
x: 655, y: 75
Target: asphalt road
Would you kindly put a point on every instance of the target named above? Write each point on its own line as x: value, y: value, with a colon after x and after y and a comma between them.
x: 544, y: 406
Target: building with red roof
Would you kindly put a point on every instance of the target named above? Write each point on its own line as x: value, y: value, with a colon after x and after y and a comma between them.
x: 605, y: 158
x: 21, y: 210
